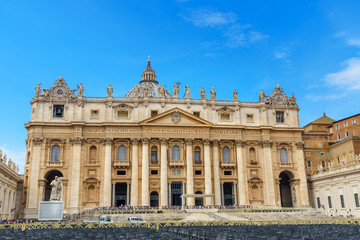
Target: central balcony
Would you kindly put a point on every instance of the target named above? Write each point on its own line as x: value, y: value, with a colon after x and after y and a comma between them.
x: 55, y: 164
x: 121, y: 164
x: 226, y: 164
x: 176, y: 163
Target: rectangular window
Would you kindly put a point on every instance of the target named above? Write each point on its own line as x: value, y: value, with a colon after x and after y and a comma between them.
x: 227, y: 173
x: 154, y: 113
x: 337, y: 127
x: 58, y: 111
x: 123, y: 114
x: 280, y: 117
x: 122, y: 173
x: 309, y: 163
x: 339, y: 136
x: 323, y: 163
x: 197, y: 172
x: 154, y: 172
x: 353, y: 121
x: 318, y: 202
x: 346, y: 124
x: 342, y: 201
x: 225, y: 116
x: 331, y: 130
x: 197, y: 156
x: 356, y: 196
x: 94, y: 114
x: 154, y: 156
x: 329, y: 201
x: 196, y: 114
x: 249, y: 118
x: 347, y: 134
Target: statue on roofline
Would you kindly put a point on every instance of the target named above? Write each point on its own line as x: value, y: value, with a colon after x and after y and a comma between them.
x: 235, y: 95
x: 81, y: 90
x: 37, y: 90
x: 110, y: 90
x: 213, y: 94
x: 187, y: 92
x: 176, y: 90
x: 261, y: 96
x: 202, y: 93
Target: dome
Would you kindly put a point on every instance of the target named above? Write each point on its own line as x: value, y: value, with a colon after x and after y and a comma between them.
x: 148, y: 86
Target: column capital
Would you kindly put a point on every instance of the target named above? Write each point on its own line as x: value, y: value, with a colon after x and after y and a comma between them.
x: 135, y: 140
x: 299, y: 145
x: 37, y: 140
x: 215, y: 142
x: 206, y: 141
x: 164, y: 140
x: 266, y: 143
x: 106, y: 141
x: 77, y: 140
x: 239, y: 143
x: 189, y: 141
x: 145, y: 140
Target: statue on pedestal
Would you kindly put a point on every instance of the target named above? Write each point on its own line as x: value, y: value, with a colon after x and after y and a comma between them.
x: 56, y: 189
x: 235, y: 95
x: 187, y: 92
x: 136, y: 91
x: 176, y: 90
x: 162, y: 91
x: 37, y: 90
x: 4, y: 159
x: 81, y: 90
x: 202, y: 93
x: 262, y: 96
x: 213, y: 94
x: 110, y: 90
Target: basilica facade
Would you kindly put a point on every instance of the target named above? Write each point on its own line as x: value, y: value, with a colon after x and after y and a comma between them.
x: 153, y: 148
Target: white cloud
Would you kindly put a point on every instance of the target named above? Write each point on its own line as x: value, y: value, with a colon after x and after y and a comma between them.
x: 340, y: 34
x: 239, y: 35
x: 17, y: 155
x: 348, y: 78
x: 209, y: 18
x: 316, y: 98
x: 353, y: 42
x: 280, y: 54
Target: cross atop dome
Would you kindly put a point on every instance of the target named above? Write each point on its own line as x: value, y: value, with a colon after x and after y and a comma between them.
x: 148, y: 74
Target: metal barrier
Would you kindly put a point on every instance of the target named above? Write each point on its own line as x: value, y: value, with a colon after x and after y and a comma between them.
x: 158, y: 225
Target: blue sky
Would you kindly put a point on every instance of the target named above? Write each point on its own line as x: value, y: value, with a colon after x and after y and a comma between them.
x: 311, y: 48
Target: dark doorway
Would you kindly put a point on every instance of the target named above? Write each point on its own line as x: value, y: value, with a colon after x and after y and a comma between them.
x: 176, y: 191
x: 50, y: 176
x: 120, y: 194
x: 199, y: 200
x: 154, y: 199
x: 285, y: 190
x: 228, y: 194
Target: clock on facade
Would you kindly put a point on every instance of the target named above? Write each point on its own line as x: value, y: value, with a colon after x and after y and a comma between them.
x: 59, y: 91
x: 279, y: 99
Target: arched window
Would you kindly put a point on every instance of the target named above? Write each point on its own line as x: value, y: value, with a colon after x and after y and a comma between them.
x: 121, y: 153
x: 226, y: 154
x: 197, y: 154
x: 93, y: 153
x: 283, y: 155
x: 55, y: 153
x: 154, y: 153
x: 91, y: 193
x: 176, y: 153
x: 252, y: 155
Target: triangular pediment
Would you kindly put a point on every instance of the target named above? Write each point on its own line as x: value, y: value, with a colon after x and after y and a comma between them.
x: 176, y: 117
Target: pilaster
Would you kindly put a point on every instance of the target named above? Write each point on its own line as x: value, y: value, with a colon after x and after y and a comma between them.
x: 163, y: 173
x: 145, y: 173
x: 108, y: 142
x: 207, y: 170
x: 217, y: 189
x: 190, y: 201
x: 241, y: 171
x: 134, y: 173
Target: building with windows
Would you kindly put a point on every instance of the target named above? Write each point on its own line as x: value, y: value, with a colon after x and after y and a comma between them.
x: 149, y: 147
x: 334, y: 169
x: 10, y: 189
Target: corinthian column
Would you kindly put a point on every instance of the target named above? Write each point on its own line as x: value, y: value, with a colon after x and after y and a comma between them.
x: 241, y: 172
x: 163, y: 173
x: 145, y: 172
x: 134, y: 173
x: 207, y: 170
x: 269, y: 175
x: 190, y: 201
x: 107, y: 171
x: 302, y: 174
x: 75, y: 173
x: 217, y: 189
x: 34, y: 178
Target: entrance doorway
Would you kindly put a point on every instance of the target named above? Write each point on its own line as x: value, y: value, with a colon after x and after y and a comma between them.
x: 228, y: 193
x: 285, y: 190
x: 176, y: 191
x: 50, y: 176
x: 199, y: 200
x: 154, y: 199
x: 120, y: 194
